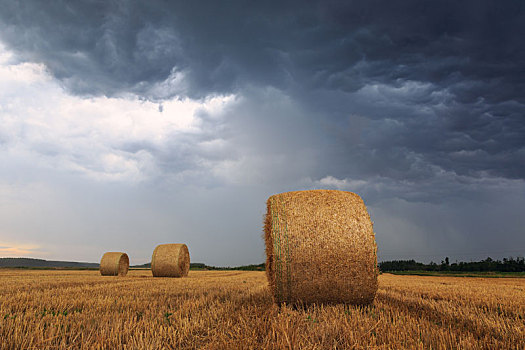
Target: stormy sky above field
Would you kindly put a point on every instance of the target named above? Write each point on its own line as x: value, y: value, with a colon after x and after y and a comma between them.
x: 126, y: 124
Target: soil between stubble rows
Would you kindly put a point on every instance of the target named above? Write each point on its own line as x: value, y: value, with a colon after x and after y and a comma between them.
x: 234, y: 310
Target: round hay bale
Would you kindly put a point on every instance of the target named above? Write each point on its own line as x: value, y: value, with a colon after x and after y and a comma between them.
x: 320, y: 248
x: 114, y: 264
x: 170, y: 260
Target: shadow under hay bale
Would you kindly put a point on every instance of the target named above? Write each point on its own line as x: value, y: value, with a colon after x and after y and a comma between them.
x: 320, y: 248
x: 114, y: 264
x: 170, y: 260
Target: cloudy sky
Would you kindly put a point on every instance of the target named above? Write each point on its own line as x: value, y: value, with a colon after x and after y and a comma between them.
x: 126, y: 124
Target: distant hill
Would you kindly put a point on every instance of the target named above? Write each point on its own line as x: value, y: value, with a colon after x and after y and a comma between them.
x: 143, y: 266
x: 41, y: 263
x: 148, y: 266
x: 201, y: 266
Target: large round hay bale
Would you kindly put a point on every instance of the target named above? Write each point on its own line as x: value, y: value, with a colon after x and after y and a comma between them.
x: 320, y: 248
x: 114, y: 264
x: 170, y: 260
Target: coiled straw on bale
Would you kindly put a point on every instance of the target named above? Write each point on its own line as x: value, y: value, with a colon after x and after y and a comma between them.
x: 114, y: 264
x: 170, y: 260
x: 320, y: 248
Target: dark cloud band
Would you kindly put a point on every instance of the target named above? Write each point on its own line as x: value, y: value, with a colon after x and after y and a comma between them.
x: 427, y: 85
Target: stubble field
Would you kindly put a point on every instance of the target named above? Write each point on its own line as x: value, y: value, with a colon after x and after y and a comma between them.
x: 234, y: 310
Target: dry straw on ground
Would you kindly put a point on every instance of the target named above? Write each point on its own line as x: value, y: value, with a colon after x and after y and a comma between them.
x: 320, y: 248
x: 57, y: 309
x: 170, y: 260
x: 114, y: 264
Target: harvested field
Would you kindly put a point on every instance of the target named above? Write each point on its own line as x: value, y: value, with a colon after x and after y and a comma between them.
x: 233, y: 309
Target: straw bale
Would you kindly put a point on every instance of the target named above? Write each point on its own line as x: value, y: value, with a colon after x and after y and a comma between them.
x: 114, y: 264
x: 170, y: 260
x: 320, y: 248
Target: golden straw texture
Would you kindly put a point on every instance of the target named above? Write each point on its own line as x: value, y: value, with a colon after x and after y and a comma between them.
x: 114, y: 264
x: 170, y: 260
x: 320, y: 248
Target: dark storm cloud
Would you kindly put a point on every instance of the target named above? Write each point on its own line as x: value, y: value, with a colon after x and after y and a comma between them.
x: 409, y: 137
x: 400, y: 91
x: 105, y: 47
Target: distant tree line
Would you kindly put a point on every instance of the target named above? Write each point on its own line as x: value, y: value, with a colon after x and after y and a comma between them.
x: 258, y: 267
x: 505, y: 265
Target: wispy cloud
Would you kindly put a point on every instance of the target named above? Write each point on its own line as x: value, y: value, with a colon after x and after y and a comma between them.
x: 105, y: 138
x: 12, y: 249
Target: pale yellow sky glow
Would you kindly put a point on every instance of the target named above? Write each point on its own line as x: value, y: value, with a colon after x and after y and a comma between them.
x: 15, y: 250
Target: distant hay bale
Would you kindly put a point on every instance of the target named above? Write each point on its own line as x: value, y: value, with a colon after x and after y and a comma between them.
x: 320, y: 248
x: 114, y: 264
x: 170, y: 260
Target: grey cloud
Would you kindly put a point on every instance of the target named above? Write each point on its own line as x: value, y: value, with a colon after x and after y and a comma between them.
x: 263, y: 138
x: 390, y: 131
x: 415, y: 103
x: 461, y: 229
x: 463, y: 112
x: 107, y: 47
x: 92, y: 47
